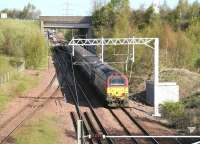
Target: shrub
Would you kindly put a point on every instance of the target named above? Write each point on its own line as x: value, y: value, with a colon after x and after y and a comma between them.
x: 174, y: 112
x: 23, y: 39
x: 192, y: 101
x: 197, y: 64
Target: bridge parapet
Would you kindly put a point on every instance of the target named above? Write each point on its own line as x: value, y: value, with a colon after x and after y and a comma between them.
x: 75, y: 22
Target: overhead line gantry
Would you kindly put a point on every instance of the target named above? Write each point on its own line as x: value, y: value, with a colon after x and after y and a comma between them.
x: 152, y: 43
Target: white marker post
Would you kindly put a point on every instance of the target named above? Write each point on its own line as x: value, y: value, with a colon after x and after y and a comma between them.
x: 156, y: 77
x: 79, y: 131
x: 102, y: 50
x: 133, y: 54
x: 73, y: 47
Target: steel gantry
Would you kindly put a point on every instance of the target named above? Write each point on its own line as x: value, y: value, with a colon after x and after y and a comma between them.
x: 152, y: 43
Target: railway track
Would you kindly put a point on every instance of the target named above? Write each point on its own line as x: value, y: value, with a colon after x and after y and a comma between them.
x: 137, y: 124
x: 94, y: 131
x: 26, y: 112
x: 89, y: 124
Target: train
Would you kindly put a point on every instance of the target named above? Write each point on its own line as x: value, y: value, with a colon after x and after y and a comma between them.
x: 111, y: 83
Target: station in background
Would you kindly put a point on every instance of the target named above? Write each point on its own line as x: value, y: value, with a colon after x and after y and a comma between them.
x: 167, y: 91
x: 4, y: 16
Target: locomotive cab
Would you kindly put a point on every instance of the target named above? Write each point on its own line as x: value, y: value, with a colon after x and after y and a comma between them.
x: 117, y: 90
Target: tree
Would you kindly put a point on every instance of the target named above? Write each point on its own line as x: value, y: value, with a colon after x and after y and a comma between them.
x: 164, y: 10
x: 103, y: 21
x: 12, y: 13
x: 28, y: 12
x: 182, y: 12
x: 122, y: 18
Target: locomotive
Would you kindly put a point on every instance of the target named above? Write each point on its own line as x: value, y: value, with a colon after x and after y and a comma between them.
x: 112, y: 84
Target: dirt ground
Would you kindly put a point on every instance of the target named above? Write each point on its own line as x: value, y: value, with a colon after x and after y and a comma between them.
x: 20, y: 101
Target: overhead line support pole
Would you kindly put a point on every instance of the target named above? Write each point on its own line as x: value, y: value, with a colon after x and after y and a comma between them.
x: 102, y: 50
x: 73, y: 47
x: 79, y: 131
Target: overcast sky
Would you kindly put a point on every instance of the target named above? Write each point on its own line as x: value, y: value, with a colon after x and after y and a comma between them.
x: 72, y: 7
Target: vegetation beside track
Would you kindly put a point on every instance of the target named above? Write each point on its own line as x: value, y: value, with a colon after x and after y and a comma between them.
x: 20, y: 41
x: 4, y: 65
x: 23, y: 39
x: 178, y: 30
x: 17, y: 86
x: 38, y: 131
x: 179, y: 45
x: 183, y: 114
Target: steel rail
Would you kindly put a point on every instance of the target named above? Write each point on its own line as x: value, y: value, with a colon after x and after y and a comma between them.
x: 123, y: 126
x: 94, y: 130
x: 27, y: 105
x: 68, y: 86
x: 139, y: 126
x: 94, y: 114
x: 86, y: 128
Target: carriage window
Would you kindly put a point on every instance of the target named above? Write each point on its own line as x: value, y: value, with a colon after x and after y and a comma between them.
x: 117, y: 81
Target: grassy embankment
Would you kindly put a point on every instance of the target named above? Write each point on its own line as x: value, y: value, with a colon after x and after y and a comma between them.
x: 185, y: 113
x: 40, y: 131
x: 20, y: 40
x: 17, y: 86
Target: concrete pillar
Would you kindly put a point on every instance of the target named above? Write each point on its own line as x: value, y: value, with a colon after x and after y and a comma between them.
x: 89, y: 33
x: 42, y: 26
x: 156, y: 77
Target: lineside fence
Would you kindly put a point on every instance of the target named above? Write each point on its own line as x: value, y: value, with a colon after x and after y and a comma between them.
x: 4, y: 78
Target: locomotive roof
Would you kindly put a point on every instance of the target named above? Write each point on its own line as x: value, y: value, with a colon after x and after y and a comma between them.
x: 95, y: 61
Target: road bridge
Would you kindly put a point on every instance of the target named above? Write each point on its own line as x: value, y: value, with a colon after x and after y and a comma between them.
x: 66, y: 22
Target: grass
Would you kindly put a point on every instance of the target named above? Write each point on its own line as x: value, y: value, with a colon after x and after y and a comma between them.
x: 40, y: 131
x: 19, y: 84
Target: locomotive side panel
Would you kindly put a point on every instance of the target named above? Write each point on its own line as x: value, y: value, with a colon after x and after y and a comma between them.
x: 100, y: 83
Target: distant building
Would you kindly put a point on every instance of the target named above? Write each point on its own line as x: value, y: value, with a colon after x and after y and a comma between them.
x: 4, y: 15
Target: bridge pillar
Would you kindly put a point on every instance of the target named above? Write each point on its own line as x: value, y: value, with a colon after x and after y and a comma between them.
x: 42, y: 26
x: 89, y: 33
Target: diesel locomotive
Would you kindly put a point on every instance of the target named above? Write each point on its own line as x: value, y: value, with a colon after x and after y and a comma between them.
x: 112, y: 84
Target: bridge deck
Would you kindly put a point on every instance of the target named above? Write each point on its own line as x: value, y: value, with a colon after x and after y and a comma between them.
x: 66, y: 21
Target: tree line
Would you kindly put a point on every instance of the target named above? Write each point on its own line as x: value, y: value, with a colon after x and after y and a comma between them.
x: 177, y: 28
x: 28, y: 12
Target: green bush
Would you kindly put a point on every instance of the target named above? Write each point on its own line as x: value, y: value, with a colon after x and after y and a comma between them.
x: 174, y: 112
x: 192, y: 102
x: 197, y: 63
x: 23, y: 39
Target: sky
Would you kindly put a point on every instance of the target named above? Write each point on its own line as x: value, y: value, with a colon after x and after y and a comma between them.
x: 72, y: 7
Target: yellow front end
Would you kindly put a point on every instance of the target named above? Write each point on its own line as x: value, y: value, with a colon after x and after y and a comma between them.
x: 120, y: 92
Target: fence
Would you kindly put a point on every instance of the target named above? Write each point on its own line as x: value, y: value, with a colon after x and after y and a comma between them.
x: 5, y: 77
x: 8, y: 75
